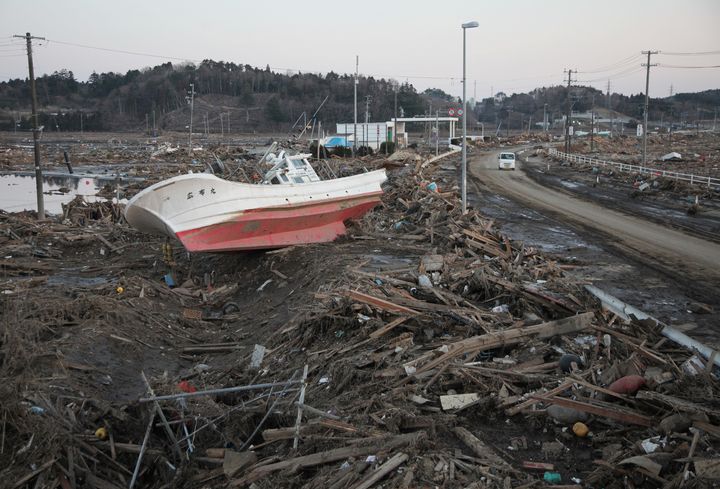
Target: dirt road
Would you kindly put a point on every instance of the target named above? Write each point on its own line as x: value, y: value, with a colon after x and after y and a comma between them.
x: 662, y: 247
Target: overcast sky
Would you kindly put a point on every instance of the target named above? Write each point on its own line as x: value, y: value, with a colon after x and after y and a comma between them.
x: 520, y: 44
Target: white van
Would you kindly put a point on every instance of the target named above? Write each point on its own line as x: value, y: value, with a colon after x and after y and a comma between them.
x: 506, y: 161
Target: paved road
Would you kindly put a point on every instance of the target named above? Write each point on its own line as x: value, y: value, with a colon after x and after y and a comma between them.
x: 672, y: 249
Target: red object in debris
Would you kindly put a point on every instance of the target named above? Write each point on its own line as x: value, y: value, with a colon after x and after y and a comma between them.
x: 186, y: 387
x: 627, y: 385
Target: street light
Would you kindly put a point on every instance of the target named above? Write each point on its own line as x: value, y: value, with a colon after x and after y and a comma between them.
x: 463, y: 185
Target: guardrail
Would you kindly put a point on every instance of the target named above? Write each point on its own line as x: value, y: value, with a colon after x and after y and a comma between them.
x: 710, y: 182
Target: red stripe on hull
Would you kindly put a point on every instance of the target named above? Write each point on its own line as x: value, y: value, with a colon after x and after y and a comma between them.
x: 278, y: 227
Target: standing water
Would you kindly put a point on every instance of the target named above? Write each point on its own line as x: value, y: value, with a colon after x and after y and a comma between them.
x: 17, y: 192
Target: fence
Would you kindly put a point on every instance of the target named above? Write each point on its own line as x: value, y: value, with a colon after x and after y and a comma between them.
x: 710, y: 182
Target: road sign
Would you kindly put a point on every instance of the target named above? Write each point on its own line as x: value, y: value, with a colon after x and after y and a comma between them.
x: 460, y: 112
x: 451, y: 112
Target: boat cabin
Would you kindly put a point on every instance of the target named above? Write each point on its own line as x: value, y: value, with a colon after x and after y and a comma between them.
x: 288, y: 170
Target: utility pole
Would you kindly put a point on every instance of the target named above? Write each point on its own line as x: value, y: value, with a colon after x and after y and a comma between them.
x: 357, y: 65
x: 647, y: 87
x: 367, y: 119
x: 612, y: 118
x: 228, y: 123
x: 437, y: 132
x: 192, y: 104
x: 35, y: 128
x: 222, y: 130
x: 592, y: 125
x: 81, y: 122
x: 545, y: 124
x: 463, y: 181
x: 395, y: 119
x: 568, y: 112
x: 154, y: 126
x: 147, y: 125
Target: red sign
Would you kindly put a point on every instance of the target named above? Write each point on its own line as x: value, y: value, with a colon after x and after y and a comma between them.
x: 460, y: 112
x: 451, y: 112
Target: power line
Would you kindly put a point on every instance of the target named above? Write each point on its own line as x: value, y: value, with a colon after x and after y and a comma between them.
x: 699, y: 53
x: 688, y: 67
x: 613, y: 66
x: 615, y: 76
x: 120, y: 51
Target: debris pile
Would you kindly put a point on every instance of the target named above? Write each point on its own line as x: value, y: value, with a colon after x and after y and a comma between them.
x: 697, y: 154
x: 425, y: 349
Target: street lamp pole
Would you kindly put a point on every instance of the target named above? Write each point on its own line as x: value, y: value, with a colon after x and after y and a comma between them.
x: 463, y: 185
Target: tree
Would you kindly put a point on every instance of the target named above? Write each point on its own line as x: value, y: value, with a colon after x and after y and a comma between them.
x: 274, y: 111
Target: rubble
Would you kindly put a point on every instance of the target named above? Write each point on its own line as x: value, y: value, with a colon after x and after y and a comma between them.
x: 329, y: 366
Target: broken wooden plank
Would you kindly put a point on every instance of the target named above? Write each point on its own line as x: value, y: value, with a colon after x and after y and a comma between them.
x: 537, y: 466
x: 625, y: 416
x: 235, y: 462
x: 675, y: 402
x: 388, y: 327
x: 393, y: 463
x: 707, y: 468
x: 480, y: 449
x: 25, y: 479
x: 320, y: 458
x: 107, y: 243
x: 497, y: 339
x: 537, y: 398
x: 379, y: 303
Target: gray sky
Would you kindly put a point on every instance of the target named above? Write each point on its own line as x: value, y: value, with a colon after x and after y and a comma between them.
x: 520, y: 44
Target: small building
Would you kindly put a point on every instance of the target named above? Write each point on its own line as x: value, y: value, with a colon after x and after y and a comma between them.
x: 373, y: 134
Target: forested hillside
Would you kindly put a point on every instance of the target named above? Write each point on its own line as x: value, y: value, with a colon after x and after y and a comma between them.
x: 255, y: 99
x: 250, y: 99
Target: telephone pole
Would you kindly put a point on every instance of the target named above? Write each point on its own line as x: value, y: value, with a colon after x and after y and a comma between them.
x: 366, y: 130
x: 568, y: 109
x: 395, y: 85
x: 647, y: 87
x: 592, y: 126
x: 35, y: 128
x: 609, y: 103
x: 192, y: 104
x: 357, y: 65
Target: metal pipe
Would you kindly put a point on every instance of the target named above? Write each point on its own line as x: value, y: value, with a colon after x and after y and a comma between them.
x: 627, y: 312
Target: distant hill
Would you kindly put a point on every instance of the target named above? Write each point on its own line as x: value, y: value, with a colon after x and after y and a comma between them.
x: 518, y: 108
x: 255, y: 99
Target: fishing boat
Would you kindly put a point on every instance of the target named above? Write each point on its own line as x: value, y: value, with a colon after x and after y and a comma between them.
x: 290, y: 206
